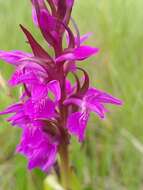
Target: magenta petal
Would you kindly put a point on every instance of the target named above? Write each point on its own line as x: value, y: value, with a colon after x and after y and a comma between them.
x: 54, y: 87
x: 14, y: 57
x: 76, y: 124
x: 83, y: 38
x: 69, y: 3
x: 84, y: 52
x: 19, y: 119
x: 97, y: 108
x: 34, y: 16
x: 42, y: 5
x: 65, y: 57
x: 80, y: 53
x: 95, y: 100
x: 32, y: 65
x: 50, y: 28
x: 38, y: 147
x: 20, y: 77
x: 56, y: 2
x: 41, y: 109
x: 44, y: 157
x: 39, y: 91
x: 69, y: 88
x: 94, y: 95
x: 11, y: 109
x: 70, y: 66
x: 75, y: 101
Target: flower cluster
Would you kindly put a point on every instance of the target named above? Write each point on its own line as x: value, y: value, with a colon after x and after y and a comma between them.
x: 51, y: 108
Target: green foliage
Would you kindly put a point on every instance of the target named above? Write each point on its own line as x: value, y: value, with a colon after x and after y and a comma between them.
x: 110, y: 158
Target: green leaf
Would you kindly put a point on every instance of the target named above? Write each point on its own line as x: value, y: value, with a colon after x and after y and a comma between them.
x: 51, y: 183
x: 75, y: 183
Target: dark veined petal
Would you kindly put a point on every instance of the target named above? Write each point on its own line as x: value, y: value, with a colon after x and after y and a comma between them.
x: 39, y: 91
x: 41, y: 109
x: 14, y: 57
x: 77, y: 123
x: 20, y: 77
x: 80, y: 53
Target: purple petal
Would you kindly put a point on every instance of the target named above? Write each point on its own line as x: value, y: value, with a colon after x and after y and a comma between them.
x: 33, y: 64
x: 39, y: 91
x: 54, y: 87
x: 34, y: 16
x: 43, y: 158
x: 94, y: 95
x: 42, y: 5
x: 76, y: 124
x: 81, y: 53
x: 84, y: 52
x: 11, y: 109
x: 42, y: 109
x: 75, y: 101
x: 14, y: 57
x: 83, y: 38
x: 95, y: 100
x: 70, y: 66
x: 85, y: 104
x: 20, y: 77
x: 56, y: 2
x: 69, y: 5
x: 69, y: 88
x: 97, y: 108
x: 19, y: 119
x: 38, y: 148
x: 50, y: 28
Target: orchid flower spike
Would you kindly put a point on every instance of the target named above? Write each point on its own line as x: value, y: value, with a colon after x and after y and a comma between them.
x: 51, y: 109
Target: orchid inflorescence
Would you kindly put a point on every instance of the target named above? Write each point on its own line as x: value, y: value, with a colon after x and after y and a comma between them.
x: 51, y: 109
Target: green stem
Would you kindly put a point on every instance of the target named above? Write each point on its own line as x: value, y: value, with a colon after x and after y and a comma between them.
x: 64, y: 166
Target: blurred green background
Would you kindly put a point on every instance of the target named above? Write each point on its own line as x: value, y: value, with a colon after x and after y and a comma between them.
x: 111, y: 158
